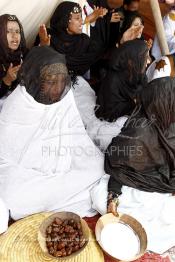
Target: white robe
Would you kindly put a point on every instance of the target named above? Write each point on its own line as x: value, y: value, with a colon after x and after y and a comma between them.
x: 169, y: 26
x: 47, y: 160
x: 154, y: 73
x: 155, y: 211
x: 101, y: 132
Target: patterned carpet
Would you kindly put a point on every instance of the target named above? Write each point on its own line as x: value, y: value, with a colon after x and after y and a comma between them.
x: 169, y: 256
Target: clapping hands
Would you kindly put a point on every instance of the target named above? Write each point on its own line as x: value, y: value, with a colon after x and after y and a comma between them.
x: 11, y: 74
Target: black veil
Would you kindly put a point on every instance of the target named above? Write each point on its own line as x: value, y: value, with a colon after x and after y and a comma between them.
x: 44, y: 75
x: 142, y: 156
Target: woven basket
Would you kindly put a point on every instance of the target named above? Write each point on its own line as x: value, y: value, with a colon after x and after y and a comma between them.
x: 20, y: 244
x: 62, y: 215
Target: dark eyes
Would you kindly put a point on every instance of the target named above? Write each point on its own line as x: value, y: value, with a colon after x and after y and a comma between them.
x: 50, y: 82
x: 11, y: 31
x: 79, y: 17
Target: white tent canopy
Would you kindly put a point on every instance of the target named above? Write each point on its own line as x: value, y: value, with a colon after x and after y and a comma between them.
x: 31, y: 13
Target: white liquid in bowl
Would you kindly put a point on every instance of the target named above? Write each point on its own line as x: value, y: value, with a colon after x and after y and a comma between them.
x: 120, y: 241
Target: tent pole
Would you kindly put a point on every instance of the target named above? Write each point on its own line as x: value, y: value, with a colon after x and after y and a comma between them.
x: 159, y: 27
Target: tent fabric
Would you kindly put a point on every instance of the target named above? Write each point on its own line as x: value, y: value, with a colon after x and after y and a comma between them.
x: 32, y: 13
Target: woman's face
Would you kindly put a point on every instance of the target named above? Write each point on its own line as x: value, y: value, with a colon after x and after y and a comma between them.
x: 13, y: 35
x: 133, y: 6
x: 54, y: 86
x: 75, y: 24
x: 138, y: 22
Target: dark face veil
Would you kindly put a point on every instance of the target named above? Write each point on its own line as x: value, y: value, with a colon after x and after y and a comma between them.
x: 154, y: 169
x: 158, y: 100
x: 131, y: 59
x: 129, y: 63
x: 44, y: 75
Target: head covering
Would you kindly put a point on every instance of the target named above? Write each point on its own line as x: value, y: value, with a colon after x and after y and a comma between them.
x: 60, y: 19
x: 161, y: 67
x: 44, y: 75
x: 124, y: 80
x: 130, y: 59
x: 60, y: 39
x: 146, y: 160
x: 128, y: 13
x: 6, y: 56
x: 80, y: 55
x: 35, y: 127
x: 158, y: 99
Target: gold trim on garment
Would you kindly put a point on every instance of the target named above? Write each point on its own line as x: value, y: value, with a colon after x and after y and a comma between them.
x: 172, y: 16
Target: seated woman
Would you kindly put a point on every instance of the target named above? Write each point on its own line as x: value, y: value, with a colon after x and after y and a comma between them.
x: 67, y: 38
x: 12, y: 51
x: 134, y: 21
x: 130, y: 28
x: 123, y: 82
x: 140, y: 163
x: 47, y: 160
x: 102, y: 132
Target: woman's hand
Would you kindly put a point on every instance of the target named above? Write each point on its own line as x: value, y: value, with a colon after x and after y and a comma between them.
x: 11, y: 74
x: 115, y: 18
x: 131, y: 34
x: 112, y: 208
x: 149, y: 43
x: 102, y: 12
x: 98, y: 12
x: 112, y: 203
x: 44, y: 37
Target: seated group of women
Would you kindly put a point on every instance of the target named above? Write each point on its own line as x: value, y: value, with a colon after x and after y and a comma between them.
x: 48, y: 162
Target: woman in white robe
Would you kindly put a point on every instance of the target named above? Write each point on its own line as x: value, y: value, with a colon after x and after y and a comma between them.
x: 47, y: 160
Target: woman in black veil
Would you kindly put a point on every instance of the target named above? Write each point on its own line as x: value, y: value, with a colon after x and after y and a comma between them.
x: 151, y: 128
x: 124, y: 80
x: 66, y: 37
x: 45, y: 162
x: 140, y: 163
